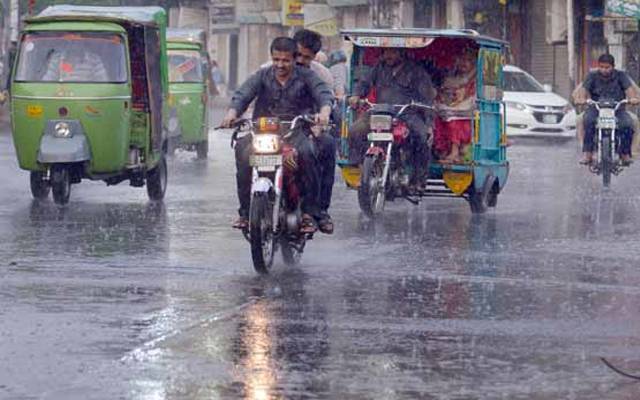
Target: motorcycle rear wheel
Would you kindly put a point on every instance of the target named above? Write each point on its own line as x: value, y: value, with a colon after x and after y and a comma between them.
x: 261, y: 233
x: 290, y: 254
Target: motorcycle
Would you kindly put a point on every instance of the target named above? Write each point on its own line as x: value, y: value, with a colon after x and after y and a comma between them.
x: 386, y: 169
x: 274, y: 215
x: 607, y: 162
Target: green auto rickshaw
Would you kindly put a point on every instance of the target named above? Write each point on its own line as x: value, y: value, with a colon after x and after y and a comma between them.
x: 88, y: 92
x: 189, y: 88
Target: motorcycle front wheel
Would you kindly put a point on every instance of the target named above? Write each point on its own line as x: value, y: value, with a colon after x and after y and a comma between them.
x: 371, y: 194
x: 605, y: 159
x: 261, y: 233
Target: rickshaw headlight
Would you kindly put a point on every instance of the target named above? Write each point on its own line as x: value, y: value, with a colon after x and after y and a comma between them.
x: 173, y: 124
x: 266, y: 143
x: 62, y: 130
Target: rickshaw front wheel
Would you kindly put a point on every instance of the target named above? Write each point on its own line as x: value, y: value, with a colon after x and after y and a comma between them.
x: 157, y: 180
x: 40, y: 186
x: 202, y: 149
x: 60, y: 184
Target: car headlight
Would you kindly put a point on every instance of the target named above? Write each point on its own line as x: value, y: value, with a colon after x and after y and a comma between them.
x: 62, y: 130
x: 517, y: 105
x: 266, y: 143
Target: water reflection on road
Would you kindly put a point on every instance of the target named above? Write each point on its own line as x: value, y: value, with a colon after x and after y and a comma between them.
x: 116, y: 297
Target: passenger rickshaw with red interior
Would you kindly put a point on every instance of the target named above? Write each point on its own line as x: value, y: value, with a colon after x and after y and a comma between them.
x: 469, y: 151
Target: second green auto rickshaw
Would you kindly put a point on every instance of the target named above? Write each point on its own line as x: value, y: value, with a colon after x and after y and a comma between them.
x: 189, y: 89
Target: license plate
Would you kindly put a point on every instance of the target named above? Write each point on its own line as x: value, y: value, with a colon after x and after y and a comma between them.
x: 380, y: 137
x: 550, y: 119
x: 606, y: 123
x: 266, y: 161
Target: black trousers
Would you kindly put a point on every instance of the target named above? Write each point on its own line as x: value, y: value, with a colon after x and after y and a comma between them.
x: 625, y: 130
x: 307, y: 175
x: 326, y: 145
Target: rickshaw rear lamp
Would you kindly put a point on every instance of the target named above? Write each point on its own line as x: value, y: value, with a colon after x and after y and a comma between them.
x: 63, y: 111
x: 267, y: 124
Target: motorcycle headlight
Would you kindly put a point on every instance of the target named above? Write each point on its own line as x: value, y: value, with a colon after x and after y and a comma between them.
x: 517, y: 105
x: 266, y: 143
x: 62, y: 130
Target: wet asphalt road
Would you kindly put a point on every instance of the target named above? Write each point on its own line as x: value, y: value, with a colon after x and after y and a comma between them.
x: 116, y: 297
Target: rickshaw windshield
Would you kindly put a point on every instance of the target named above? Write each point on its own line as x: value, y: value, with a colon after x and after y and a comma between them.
x: 520, y: 82
x: 185, y: 66
x: 86, y: 57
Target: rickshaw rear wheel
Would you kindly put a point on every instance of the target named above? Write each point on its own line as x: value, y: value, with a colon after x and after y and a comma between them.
x: 478, y: 199
x: 60, y: 184
x: 202, y: 149
x: 157, y: 180
x: 369, y: 190
x: 40, y: 186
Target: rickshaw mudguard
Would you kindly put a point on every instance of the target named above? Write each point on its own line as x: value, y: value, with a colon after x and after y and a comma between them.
x: 64, y: 149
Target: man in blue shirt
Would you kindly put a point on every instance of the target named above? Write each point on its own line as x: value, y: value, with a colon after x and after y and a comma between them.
x: 608, y: 83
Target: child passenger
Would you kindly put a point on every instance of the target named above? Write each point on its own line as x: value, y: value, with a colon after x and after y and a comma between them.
x: 455, y: 103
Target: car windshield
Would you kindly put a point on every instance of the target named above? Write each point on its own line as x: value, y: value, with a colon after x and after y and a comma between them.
x: 185, y: 66
x: 92, y: 57
x: 520, y: 82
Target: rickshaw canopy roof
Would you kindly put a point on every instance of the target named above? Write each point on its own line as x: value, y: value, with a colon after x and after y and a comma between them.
x: 153, y: 16
x: 412, y: 38
x: 183, y: 35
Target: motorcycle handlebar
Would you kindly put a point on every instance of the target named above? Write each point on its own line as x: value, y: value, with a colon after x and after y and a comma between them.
x: 402, y: 107
x: 598, y: 104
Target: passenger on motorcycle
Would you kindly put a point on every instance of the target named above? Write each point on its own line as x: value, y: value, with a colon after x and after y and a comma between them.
x: 397, y: 80
x: 309, y: 44
x: 283, y: 89
x: 607, y: 83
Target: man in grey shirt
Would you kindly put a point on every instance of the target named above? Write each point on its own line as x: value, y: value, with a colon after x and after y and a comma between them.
x: 282, y: 90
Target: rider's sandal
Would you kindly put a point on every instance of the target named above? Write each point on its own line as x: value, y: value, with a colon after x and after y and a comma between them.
x: 326, y: 225
x: 585, y: 161
x: 241, y: 223
x: 308, y: 224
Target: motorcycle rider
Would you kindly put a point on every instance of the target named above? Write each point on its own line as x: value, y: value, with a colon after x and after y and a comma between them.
x: 397, y: 80
x: 282, y: 89
x: 607, y: 83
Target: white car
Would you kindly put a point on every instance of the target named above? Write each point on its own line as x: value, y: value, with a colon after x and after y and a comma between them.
x: 534, y: 111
